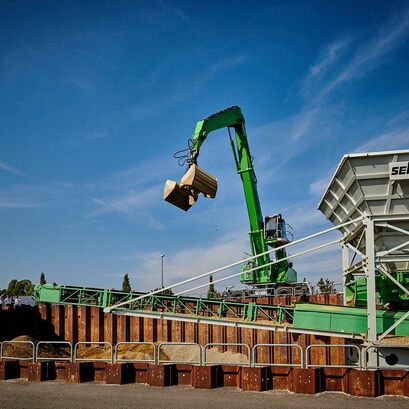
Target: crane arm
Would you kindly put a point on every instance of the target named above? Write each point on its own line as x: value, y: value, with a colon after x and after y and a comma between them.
x: 233, y: 118
x: 229, y: 117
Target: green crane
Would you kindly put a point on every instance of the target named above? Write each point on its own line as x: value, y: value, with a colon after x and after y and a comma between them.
x: 269, y: 231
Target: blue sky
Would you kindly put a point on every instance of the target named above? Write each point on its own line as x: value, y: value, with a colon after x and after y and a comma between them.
x: 95, y: 97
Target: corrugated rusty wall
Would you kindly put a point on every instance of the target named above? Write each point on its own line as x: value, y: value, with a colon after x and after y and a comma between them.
x: 76, y: 323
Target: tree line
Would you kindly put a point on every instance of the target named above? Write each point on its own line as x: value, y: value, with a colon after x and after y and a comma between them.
x: 26, y: 287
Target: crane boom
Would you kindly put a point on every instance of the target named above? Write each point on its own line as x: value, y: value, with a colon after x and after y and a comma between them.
x: 260, y: 239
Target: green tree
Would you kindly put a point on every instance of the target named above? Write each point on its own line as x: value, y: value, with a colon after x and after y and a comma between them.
x: 12, y: 287
x: 325, y: 286
x: 165, y: 292
x: 22, y: 287
x: 42, y: 279
x: 126, y: 285
x: 211, y: 290
x: 212, y: 293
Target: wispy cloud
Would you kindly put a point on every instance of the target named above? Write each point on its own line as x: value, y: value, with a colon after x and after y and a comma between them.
x: 102, y: 134
x: 174, y: 11
x: 11, y: 169
x: 6, y: 204
x: 128, y: 203
x: 394, y: 139
x: 180, y: 93
x: 344, y: 60
x: 370, y: 54
x: 317, y: 187
x: 394, y: 136
x: 194, y: 260
x: 328, y: 57
x: 305, y: 218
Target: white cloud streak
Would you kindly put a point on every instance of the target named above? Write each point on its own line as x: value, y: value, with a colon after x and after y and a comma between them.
x: 328, y: 58
x: 394, y: 139
x: 190, y: 261
x: 11, y: 169
x: 128, y: 203
x: 369, y: 55
x: 6, y: 204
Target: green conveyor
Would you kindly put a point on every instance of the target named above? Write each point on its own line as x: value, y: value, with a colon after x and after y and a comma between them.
x: 346, y: 319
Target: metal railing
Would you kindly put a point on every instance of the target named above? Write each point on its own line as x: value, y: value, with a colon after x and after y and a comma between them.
x: 113, y: 354
x: 39, y: 358
x: 82, y: 359
x: 308, y: 364
x: 254, y: 353
x: 226, y: 344
x: 118, y: 360
x: 179, y: 361
x: 31, y: 358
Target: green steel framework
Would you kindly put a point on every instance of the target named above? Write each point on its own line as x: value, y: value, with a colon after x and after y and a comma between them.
x: 169, y: 304
x: 327, y: 320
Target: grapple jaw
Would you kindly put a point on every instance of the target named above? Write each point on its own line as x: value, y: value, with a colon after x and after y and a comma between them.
x: 195, y: 181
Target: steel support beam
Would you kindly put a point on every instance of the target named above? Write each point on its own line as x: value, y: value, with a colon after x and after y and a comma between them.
x: 370, y: 270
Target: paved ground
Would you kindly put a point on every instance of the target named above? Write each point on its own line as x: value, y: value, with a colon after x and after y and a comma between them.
x: 52, y: 395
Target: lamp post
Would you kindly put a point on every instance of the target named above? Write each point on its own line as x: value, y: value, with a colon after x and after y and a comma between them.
x: 161, y: 259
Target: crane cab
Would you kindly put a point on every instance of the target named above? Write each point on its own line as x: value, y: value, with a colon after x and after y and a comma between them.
x: 276, y: 231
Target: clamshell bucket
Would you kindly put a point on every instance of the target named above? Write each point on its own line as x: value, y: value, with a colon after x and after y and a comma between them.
x: 199, y: 181
x: 177, y: 196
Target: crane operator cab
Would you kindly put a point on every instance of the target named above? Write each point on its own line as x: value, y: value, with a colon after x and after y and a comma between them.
x: 276, y: 231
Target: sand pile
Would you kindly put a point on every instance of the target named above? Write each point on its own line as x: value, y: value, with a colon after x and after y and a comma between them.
x: 213, y: 355
x: 393, y: 340
x: 19, y: 350
x: 136, y: 351
x: 180, y: 353
x: 190, y: 354
x: 25, y: 350
x: 94, y: 352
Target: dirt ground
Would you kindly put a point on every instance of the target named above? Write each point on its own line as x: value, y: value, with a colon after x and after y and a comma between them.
x: 53, y: 395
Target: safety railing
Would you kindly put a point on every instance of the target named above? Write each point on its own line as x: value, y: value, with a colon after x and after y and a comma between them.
x: 182, y: 360
x: 20, y: 358
x: 135, y: 358
x: 356, y: 359
x: 391, y: 359
x: 308, y: 363
x: 38, y: 356
x: 104, y: 346
x: 257, y: 346
x: 226, y: 344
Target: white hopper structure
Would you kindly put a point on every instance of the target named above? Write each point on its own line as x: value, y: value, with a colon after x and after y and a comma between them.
x: 376, y: 186
x: 363, y: 185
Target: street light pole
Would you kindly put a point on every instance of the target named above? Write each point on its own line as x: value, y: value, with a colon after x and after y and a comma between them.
x: 161, y: 257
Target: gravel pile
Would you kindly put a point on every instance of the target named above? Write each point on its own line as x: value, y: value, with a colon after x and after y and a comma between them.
x: 22, y: 349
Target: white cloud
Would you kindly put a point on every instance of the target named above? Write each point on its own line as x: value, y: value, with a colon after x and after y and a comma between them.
x: 394, y: 139
x: 305, y: 218
x: 323, y: 68
x: 303, y: 122
x: 318, y: 186
x: 6, y: 204
x: 129, y: 202
x: 190, y: 261
x: 174, y: 11
x: 328, y: 58
x: 369, y: 55
x: 181, y: 93
x: 11, y: 169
